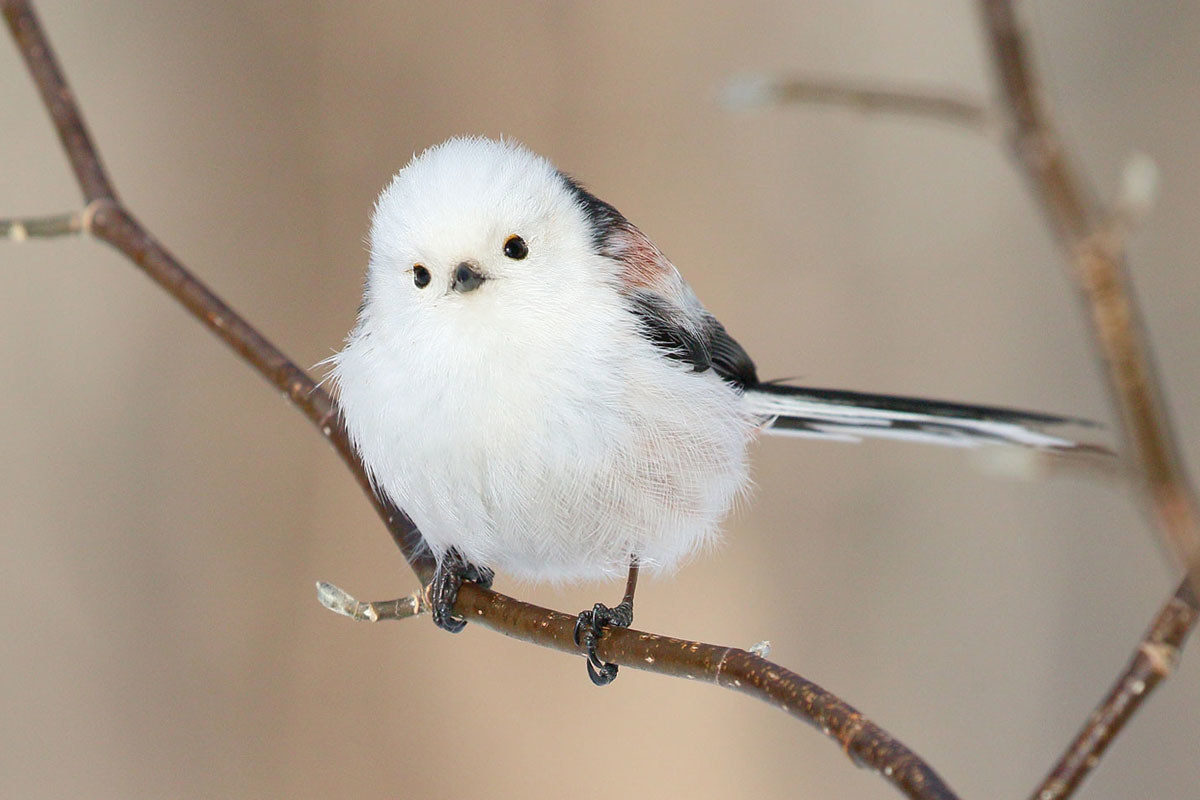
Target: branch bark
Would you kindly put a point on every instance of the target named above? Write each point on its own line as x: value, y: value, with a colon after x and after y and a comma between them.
x: 59, y: 101
x: 1093, y: 240
x: 729, y: 667
x: 1100, y: 272
x: 1152, y: 663
x: 1095, y: 254
x: 869, y: 98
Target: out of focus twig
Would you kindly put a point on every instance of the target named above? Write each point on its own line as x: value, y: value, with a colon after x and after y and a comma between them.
x: 1093, y: 239
x: 1097, y: 260
x: 1152, y: 662
x: 940, y: 106
x: 18, y: 230
x: 1094, y: 247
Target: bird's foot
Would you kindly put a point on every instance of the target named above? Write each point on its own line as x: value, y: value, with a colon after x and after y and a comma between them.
x: 452, y: 570
x: 588, y: 630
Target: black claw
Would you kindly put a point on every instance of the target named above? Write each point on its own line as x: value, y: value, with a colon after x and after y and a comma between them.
x: 450, y: 574
x: 589, y: 627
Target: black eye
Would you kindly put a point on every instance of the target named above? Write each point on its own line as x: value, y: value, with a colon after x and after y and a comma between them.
x: 420, y: 276
x: 515, y: 248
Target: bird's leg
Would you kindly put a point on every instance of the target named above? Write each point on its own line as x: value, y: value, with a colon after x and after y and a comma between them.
x: 591, y: 624
x: 451, y: 571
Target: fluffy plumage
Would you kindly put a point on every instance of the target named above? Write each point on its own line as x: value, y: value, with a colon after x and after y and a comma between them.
x: 580, y: 406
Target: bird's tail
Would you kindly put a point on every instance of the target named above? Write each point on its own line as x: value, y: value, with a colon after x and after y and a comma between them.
x: 851, y: 416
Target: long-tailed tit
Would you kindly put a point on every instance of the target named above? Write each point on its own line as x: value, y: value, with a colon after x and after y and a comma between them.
x: 537, y: 387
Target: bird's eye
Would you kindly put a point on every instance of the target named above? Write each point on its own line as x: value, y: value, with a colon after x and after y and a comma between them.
x: 420, y: 276
x: 515, y: 247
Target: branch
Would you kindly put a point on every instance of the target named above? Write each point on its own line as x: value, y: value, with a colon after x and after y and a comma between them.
x: 59, y: 101
x: 729, y: 667
x: 1093, y: 239
x: 1095, y: 251
x: 52, y: 227
x: 736, y: 669
x: 742, y: 670
x: 1098, y: 266
x: 1152, y: 663
x: 341, y: 602
x: 942, y: 106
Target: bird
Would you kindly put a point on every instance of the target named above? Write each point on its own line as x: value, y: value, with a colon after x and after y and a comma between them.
x: 539, y: 389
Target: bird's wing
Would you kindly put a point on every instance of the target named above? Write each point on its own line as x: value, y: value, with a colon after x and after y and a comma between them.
x: 668, y: 311
x: 671, y: 316
x: 696, y: 339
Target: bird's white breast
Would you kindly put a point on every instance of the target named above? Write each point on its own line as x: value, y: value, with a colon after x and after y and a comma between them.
x: 550, y: 442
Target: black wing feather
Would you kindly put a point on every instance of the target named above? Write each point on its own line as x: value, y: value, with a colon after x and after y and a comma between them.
x: 710, y: 347
x: 730, y: 359
x: 660, y: 324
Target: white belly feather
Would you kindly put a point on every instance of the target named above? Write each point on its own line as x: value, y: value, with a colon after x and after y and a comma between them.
x: 549, y: 459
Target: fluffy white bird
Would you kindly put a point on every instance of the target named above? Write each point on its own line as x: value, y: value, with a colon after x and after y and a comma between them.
x: 537, y: 387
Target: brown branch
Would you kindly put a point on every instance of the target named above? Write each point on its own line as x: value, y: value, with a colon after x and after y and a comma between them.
x: 1152, y: 663
x: 59, y: 101
x: 1098, y: 266
x: 1093, y: 239
x: 743, y: 670
x: 1096, y: 255
x: 866, y: 743
x: 941, y: 106
x: 736, y: 669
x: 112, y: 223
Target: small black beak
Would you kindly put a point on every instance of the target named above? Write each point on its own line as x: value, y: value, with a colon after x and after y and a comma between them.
x: 466, y: 278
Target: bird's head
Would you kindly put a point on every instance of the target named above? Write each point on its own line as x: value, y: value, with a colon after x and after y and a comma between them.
x: 475, y: 224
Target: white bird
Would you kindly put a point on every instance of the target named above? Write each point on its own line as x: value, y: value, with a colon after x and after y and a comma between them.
x: 536, y: 386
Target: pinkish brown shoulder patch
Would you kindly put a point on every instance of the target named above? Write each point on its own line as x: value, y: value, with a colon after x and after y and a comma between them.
x: 643, y: 265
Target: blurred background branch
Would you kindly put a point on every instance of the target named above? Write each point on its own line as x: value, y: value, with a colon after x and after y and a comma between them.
x: 1098, y: 268
x: 1096, y: 257
x: 1094, y: 242
x: 751, y: 91
x: 18, y: 230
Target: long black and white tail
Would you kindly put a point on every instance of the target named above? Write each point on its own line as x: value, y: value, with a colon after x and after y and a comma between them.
x: 851, y: 416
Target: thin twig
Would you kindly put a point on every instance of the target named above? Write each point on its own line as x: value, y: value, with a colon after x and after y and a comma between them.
x: 59, y: 101
x: 941, y: 106
x: 19, y: 230
x: 1094, y: 241
x: 342, y: 602
x: 1152, y: 663
x: 1100, y: 272
x: 729, y: 667
x: 113, y: 224
x: 1095, y: 250
x: 54, y: 226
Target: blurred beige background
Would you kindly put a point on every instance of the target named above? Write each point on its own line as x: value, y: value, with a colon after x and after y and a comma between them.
x: 163, y: 514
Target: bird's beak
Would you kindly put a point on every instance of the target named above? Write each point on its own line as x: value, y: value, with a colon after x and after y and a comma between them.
x: 467, y: 278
